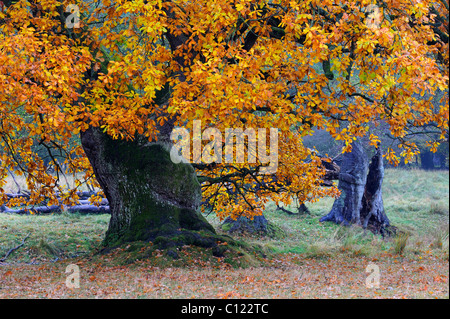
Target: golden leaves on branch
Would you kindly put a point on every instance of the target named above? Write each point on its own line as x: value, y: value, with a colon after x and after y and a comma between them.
x: 295, y: 66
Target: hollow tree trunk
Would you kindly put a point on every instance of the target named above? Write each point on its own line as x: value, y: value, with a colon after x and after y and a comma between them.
x: 373, y: 215
x: 149, y: 195
x: 352, y: 180
x: 361, y: 200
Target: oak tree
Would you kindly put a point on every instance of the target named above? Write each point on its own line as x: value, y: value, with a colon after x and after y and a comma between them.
x: 119, y: 76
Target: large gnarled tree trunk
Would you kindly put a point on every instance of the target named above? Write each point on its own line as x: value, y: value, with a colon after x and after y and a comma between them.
x: 361, y: 200
x: 372, y: 214
x: 352, y: 180
x: 149, y: 195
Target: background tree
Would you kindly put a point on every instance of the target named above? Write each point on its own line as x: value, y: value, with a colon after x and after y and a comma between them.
x: 131, y: 71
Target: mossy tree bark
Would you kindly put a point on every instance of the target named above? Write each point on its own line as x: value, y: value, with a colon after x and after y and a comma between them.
x: 149, y: 195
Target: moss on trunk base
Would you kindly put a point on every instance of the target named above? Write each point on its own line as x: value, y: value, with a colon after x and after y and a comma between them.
x: 150, y: 196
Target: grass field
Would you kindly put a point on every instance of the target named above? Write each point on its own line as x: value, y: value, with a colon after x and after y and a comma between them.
x: 307, y: 259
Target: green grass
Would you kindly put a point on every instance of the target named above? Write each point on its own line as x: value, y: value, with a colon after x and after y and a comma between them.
x: 309, y: 259
x: 51, y: 236
x: 417, y: 202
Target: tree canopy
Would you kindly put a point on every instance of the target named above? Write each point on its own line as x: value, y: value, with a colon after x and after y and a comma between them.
x: 137, y: 68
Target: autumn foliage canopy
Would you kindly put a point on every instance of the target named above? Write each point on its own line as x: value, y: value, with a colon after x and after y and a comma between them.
x: 130, y: 67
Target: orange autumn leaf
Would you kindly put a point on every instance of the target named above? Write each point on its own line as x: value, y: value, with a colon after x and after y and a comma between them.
x: 132, y: 67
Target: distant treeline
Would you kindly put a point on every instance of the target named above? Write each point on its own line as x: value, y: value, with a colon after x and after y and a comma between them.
x: 427, y: 160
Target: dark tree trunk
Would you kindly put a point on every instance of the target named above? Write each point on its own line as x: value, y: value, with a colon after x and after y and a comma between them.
x: 149, y: 195
x: 373, y: 215
x: 426, y: 160
x: 352, y: 180
x: 361, y: 200
x: 257, y: 225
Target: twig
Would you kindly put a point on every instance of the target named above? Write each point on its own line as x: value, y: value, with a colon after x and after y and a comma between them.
x: 19, y: 190
x: 15, y: 248
x: 302, y: 209
x: 286, y: 210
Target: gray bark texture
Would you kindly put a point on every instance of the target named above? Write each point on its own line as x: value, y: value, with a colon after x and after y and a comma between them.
x: 373, y: 215
x: 361, y: 200
x: 352, y: 180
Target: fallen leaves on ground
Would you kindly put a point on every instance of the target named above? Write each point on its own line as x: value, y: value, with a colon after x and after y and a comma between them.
x: 290, y: 276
